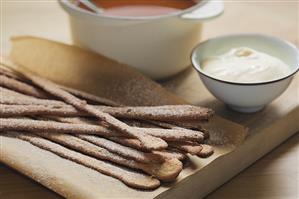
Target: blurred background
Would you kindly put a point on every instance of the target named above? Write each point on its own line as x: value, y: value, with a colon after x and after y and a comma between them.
x: 45, y: 18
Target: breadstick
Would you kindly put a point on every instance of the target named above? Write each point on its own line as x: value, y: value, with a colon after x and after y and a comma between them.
x: 170, y: 154
x: 206, y: 151
x: 134, y: 143
x: 89, y: 97
x: 148, y: 141
x: 73, y: 120
x: 192, y: 148
x: 130, y: 142
x: 161, y: 113
x: 13, y: 124
x: 121, y: 150
x: 128, y: 177
x: 14, y: 98
x: 178, y: 133
x: 193, y: 125
x: 166, y: 170
x: 30, y: 110
x: 141, y: 113
x: 21, y: 87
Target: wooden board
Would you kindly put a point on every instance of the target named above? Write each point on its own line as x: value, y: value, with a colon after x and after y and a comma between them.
x: 267, y: 128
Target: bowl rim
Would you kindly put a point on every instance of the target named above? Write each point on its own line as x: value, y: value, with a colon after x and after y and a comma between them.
x: 66, y: 4
x: 197, y: 67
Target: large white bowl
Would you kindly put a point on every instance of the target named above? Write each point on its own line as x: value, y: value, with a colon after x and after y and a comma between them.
x: 246, y: 97
x: 158, y: 46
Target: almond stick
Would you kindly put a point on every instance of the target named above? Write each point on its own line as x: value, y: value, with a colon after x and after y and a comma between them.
x: 166, y: 170
x: 128, y: 177
x: 148, y: 141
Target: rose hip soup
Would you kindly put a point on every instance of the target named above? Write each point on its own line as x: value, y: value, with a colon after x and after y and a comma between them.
x: 142, y: 8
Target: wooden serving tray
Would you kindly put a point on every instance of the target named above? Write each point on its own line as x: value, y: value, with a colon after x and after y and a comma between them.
x: 267, y: 129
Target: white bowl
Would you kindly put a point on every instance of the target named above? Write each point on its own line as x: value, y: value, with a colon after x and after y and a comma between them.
x: 246, y: 97
x: 158, y: 46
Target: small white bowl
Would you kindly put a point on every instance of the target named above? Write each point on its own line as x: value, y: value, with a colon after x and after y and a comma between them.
x: 246, y: 97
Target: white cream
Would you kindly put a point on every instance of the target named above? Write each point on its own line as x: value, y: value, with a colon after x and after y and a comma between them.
x: 245, y: 65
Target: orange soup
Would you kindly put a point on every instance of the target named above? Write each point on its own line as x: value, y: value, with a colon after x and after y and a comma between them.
x: 142, y: 7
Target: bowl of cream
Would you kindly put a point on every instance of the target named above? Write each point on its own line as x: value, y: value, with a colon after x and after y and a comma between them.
x: 246, y: 71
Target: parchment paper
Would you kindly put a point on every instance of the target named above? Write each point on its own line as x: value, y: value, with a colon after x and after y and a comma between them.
x: 90, y: 72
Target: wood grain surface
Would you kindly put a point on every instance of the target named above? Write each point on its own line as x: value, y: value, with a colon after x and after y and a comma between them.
x: 274, y: 176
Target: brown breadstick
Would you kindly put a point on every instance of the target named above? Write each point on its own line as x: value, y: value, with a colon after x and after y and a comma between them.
x: 185, y: 134
x: 189, y: 124
x: 119, y: 112
x: 149, y: 142
x: 128, y: 177
x: 151, y: 124
x: 134, y: 143
x: 170, y: 154
x: 13, y: 124
x: 192, y: 148
x: 166, y: 170
x: 89, y: 97
x: 160, y: 113
x: 174, y: 134
x: 130, y: 142
x: 193, y: 125
x: 206, y: 151
x: 121, y: 150
x: 14, y: 98
x: 21, y: 87
x: 73, y: 120
x: 30, y: 110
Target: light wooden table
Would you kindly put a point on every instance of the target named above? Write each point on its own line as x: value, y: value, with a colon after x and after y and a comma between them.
x: 274, y: 176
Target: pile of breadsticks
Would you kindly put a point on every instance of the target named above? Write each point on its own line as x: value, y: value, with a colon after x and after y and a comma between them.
x: 140, y: 146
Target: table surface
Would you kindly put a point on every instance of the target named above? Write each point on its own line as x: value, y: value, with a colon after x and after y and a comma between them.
x: 274, y: 176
